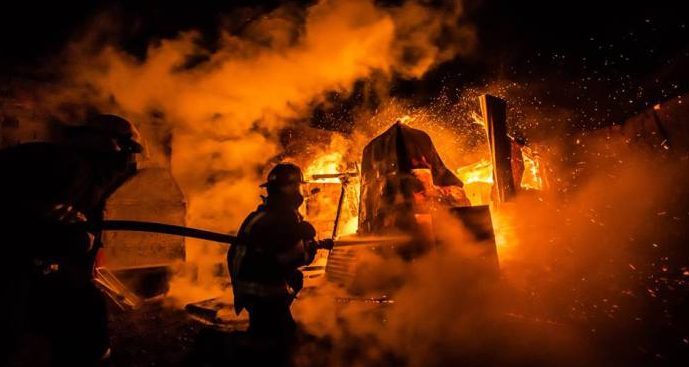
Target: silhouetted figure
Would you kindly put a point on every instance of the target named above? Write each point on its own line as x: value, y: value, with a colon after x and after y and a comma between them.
x: 273, y: 242
x: 52, y: 312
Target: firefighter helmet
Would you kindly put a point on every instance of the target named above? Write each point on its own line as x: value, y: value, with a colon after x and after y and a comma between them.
x: 125, y: 136
x: 284, y: 174
x: 107, y: 134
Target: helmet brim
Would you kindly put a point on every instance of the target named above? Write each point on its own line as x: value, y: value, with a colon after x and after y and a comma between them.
x: 266, y: 184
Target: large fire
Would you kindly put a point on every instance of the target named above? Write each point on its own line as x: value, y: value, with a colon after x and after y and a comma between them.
x: 478, y: 177
x: 325, y: 171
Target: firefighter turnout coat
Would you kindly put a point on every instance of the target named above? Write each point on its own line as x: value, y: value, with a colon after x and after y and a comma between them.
x: 272, y: 244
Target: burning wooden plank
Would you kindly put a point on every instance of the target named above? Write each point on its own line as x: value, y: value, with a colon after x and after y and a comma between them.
x: 494, y: 112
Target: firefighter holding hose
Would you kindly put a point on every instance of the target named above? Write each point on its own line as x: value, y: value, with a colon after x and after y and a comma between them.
x: 273, y: 242
x: 52, y: 312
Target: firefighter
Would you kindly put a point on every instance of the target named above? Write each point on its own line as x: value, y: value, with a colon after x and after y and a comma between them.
x: 273, y: 242
x: 52, y: 311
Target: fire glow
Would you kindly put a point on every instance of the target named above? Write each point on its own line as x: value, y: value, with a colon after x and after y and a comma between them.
x: 478, y: 180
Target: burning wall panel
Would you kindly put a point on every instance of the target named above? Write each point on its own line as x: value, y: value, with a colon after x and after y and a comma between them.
x: 406, y: 190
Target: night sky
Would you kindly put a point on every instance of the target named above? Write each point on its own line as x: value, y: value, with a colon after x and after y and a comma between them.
x: 611, y: 58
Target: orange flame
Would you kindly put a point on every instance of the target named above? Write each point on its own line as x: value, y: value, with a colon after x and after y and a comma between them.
x: 322, y: 207
x: 328, y: 163
x: 481, y: 171
x: 531, y: 179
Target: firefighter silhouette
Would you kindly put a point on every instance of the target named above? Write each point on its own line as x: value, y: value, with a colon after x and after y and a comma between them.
x: 273, y: 242
x: 52, y: 312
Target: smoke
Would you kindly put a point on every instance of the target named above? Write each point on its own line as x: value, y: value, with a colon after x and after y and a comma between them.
x: 592, y: 273
x: 216, y: 113
x: 448, y: 311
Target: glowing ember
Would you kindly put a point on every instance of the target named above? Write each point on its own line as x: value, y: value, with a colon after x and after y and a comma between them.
x: 406, y: 119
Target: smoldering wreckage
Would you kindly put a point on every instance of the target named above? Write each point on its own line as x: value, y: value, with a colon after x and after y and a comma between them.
x: 524, y: 254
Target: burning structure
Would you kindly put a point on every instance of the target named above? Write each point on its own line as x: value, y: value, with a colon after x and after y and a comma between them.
x: 398, y: 168
x: 404, y: 185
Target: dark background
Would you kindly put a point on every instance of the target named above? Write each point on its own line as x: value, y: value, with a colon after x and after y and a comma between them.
x: 609, y: 58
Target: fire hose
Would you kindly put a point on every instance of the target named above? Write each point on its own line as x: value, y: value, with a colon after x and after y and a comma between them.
x: 175, y: 230
x: 202, y: 234
x: 153, y: 227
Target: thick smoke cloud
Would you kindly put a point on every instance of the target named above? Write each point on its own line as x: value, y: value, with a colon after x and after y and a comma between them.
x: 218, y: 113
x: 596, y: 260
